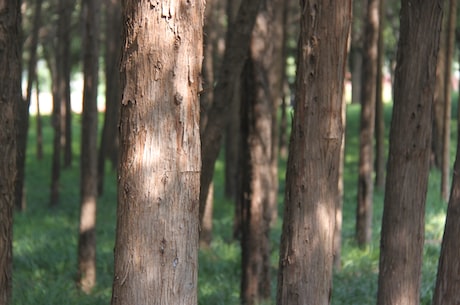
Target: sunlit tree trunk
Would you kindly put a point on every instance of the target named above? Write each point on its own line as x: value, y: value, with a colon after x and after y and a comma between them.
x: 306, y: 255
x: 402, y: 236
x: 10, y: 96
x: 367, y: 126
x: 156, y: 248
x: 88, y: 176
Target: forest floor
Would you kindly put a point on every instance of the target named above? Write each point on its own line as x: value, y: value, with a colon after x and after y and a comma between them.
x: 45, y: 240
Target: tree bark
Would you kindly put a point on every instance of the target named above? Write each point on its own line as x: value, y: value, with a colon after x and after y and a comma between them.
x: 306, y: 255
x: 88, y: 177
x: 10, y: 96
x: 402, y: 234
x: 156, y: 249
x: 367, y: 126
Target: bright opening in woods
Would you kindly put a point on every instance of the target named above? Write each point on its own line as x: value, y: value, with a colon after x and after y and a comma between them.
x: 229, y: 152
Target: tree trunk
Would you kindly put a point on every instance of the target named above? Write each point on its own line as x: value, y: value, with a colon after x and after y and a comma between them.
x: 306, y: 255
x: 366, y: 134
x: 449, y: 49
x: 379, y: 109
x: 448, y: 280
x: 109, y: 140
x: 39, y: 125
x: 402, y: 234
x: 156, y: 249
x: 10, y: 96
x: 237, y: 43
x: 356, y: 52
x: 88, y: 177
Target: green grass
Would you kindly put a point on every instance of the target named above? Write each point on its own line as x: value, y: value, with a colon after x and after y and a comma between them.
x: 45, y: 240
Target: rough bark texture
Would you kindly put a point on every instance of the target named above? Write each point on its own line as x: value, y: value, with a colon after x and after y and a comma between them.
x: 88, y: 176
x: 109, y: 139
x: 402, y: 234
x: 156, y: 249
x: 237, y: 43
x: 306, y: 255
x: 448, y: 278
x: 366, y: 134
x: 10, y: 96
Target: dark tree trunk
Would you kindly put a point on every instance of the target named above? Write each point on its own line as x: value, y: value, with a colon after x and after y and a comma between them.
x: 156, y: 248
x: 237, y: 44
x: 10, y: 97
x: 39, y: 123
x: 366, y: 134
x: 402, y: 234
x: 306, y: 255
x: 109, y: 140
x: 88, y: 176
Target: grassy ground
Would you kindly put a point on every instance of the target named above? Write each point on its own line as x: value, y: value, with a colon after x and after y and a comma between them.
x: 45, y: 240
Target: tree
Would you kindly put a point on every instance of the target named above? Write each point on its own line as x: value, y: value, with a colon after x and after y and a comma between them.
x: 447, y: 281
x: 10, y: 96
x: 236, y: 46
x: 402, y: 236
x: 367, y: 127
x: 156, y: 247
x: 109, y: 139
x: 88, y: 163
x: 306, y: 255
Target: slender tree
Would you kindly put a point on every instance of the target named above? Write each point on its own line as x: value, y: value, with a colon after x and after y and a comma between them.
x: 10, y: 96
x: 366, y: 134
x: 156, y: 248
x: 236, y: 46
x: 306, y: 255
x: 402, y: 236
x: 109, y: 140
x: 88, y: 172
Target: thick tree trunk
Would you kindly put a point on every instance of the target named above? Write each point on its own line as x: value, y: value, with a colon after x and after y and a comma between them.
x: 306, y: 255
x: 109, y: 140
x: 156, y: 249
x: 10, y: 96
x: 237, y: 43
x: 88, y: 177
x: 402, y: 234
x: 366, y: 134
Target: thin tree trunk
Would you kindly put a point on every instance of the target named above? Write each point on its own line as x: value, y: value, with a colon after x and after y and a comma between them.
x: 39, y: 126
x: 449, y: 49
x: 156, y: 248
x: 366, y: 135
x: 379, y: 109
x: 306, y: 255
x: 88, y: 177
x: 109, y: 140
x: 402, y: 234
x: 10, y: 96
